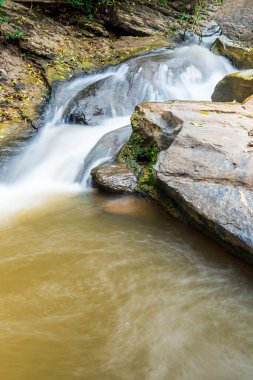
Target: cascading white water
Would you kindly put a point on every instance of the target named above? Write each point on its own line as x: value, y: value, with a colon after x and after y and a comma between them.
x: 52, y: 161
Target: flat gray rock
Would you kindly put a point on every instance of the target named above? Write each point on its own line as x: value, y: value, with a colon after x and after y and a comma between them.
x: 207, y: 169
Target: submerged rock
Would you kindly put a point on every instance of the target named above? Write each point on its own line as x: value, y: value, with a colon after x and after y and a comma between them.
x: 133, y: 206
x: 236, y: 86
x: 114, y: 178
x: 238, y: 53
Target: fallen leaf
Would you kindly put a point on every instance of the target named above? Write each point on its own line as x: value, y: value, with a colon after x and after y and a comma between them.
x: 198, y: 125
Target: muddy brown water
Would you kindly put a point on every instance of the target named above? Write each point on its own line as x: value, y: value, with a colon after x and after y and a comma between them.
x: 90, y: 290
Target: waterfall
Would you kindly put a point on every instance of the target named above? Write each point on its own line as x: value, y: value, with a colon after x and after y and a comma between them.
x: 52, y: 162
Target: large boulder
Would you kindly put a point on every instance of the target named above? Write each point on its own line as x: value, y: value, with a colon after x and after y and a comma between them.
x: 208, y: 170
x: 238, y: 53
x: 235, y: 18
x: 204, y: 171
x: 234, y: 87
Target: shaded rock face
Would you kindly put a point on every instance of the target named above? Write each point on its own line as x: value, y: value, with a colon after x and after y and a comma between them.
x: 236, y: 86
x: 208, y: 170
x: 114, y: 178
x: 140, y: 22
x: 239, y: 54
x: 235, y: 17
x: 144, y: 17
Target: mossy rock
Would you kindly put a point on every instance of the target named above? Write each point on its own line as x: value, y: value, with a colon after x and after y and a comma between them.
x: 234, y: 87
x: 240, y: 55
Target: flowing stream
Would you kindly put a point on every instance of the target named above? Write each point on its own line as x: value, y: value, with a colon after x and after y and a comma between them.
x: 96, y: 287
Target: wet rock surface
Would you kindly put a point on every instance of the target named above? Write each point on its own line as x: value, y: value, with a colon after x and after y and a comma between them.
x: 234, y: 87
x: 235, y: 17
x: 86, y: 107
x: 12, y: 144
x: 114, y: 178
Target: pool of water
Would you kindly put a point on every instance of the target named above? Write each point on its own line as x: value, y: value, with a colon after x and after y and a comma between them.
x: 95, y: 287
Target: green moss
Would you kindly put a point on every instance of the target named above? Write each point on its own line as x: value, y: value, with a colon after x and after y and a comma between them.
x: 140, y: 154
x: 64, y: 64
x: 135, y: 120
x: 240, y: 55
x: 147, y: 182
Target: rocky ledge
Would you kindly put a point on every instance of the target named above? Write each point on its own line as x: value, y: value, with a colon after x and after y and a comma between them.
x: 196, y: 159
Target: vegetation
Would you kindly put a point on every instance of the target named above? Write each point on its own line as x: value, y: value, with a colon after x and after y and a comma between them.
x: 91, y: 6
x: 10, y: 35
x: 140, y: 154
